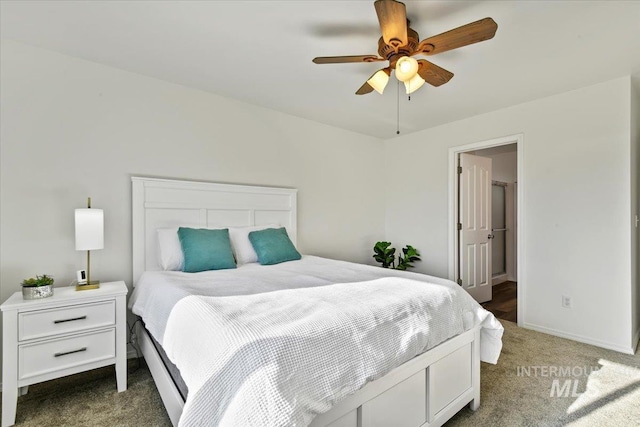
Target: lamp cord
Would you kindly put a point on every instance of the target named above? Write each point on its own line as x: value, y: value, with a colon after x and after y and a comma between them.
x: 133, y: 340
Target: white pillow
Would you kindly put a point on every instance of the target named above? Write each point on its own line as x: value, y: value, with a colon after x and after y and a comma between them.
x: 170, y: 250
x: 242, y: 248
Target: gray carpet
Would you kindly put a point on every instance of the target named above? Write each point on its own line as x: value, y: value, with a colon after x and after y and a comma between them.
x: 606, y: 395
x: 91, y: 399
x: 606, y: 383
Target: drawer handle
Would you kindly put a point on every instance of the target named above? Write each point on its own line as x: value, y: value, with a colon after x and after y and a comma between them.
x: 70, y: 320
x: 64, y: 353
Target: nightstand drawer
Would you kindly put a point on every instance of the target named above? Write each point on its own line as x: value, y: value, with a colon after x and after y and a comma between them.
x: 44, y: 323
x: 54, y: 355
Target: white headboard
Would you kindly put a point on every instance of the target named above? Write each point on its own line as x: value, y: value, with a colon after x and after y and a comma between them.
x: 165, y: 203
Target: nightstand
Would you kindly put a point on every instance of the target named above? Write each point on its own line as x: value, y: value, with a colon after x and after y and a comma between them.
x: 70, y: 332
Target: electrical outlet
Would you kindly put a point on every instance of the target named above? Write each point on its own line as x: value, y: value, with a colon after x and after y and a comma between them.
x: 566, y: 301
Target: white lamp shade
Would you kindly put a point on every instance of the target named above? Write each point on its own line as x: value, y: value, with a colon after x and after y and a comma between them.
x: 89, y: 229
x: 414, y: 84
x: 406, y: 68
x: 379, y: 80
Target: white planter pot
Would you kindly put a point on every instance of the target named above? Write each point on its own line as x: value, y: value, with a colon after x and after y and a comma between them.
x: 37, y: 292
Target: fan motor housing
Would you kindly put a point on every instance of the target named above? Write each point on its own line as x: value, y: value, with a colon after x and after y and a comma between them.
x: 392, y: 54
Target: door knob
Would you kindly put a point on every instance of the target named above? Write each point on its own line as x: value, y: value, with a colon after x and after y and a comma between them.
x: 490, y: 236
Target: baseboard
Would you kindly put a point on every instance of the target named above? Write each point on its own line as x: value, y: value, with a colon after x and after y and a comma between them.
x: 496, y: 280
x: 579, y: 338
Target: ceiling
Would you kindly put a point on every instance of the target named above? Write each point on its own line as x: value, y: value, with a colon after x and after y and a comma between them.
x: 260, y: 51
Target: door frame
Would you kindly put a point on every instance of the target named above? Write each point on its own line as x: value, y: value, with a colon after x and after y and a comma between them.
x: 517, y: 139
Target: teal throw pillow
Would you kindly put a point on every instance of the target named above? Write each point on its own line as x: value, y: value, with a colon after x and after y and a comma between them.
x: 273, y: 246
x: 205, y: 249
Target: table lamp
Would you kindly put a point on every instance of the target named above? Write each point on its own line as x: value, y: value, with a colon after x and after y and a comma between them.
x: 89, y: 237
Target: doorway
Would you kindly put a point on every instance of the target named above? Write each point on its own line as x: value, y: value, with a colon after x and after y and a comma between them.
x: 503, y: 236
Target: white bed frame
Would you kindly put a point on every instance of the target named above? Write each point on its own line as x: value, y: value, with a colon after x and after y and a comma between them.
x: 426, y: 391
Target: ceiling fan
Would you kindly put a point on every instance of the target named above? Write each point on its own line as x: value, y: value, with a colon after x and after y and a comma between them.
x: 399, y: 44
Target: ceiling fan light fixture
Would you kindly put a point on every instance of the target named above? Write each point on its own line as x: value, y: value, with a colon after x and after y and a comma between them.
x: 379, y: 80
x: 406, y: 68
x: 399, y: 43
x: 414, y: 84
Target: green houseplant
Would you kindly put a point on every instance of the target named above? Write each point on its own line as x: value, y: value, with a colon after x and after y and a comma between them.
x: 386, y: 255
x: 37, y: 287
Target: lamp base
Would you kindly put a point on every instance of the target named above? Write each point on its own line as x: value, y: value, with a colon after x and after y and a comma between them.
x: 94, y: 284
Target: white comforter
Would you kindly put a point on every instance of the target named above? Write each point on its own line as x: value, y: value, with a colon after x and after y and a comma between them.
x: 267, y: 356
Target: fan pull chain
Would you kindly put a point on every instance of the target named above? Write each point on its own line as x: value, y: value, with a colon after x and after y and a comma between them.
x: 398, y: 109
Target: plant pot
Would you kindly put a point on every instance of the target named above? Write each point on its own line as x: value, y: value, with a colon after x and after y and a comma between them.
x: 37, y: 292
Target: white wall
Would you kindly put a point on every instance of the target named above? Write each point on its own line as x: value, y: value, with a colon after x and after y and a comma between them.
x: 73, y: 129
x: 576, y: 205
x: 504, y: 166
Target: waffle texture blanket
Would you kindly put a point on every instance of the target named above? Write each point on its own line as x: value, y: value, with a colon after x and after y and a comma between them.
x: 281, y: 358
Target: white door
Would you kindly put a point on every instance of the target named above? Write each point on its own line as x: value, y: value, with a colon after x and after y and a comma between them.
x: 474, y: 227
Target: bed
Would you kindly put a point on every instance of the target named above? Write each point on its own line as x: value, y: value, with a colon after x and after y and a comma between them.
x: 403, y: 385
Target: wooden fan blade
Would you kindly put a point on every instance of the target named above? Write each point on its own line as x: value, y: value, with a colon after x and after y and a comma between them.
x: 345, y: 59
x: 393, y: 22
x: 474, y: 32
x: 432, y: 74
x: 364, y: 89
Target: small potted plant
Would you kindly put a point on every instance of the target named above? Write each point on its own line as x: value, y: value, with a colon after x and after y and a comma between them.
x: 386, y: 255
x: 37, y: 287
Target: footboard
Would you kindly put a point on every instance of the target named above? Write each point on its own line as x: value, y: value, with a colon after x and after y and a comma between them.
x: 425, y: 391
